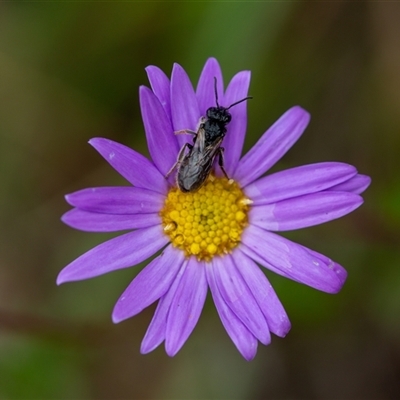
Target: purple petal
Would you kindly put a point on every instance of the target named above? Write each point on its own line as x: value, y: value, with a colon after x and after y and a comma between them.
x: 184, y: 108
x: 116, y: 200
x: 186, y: 306
x: 260, y: 259
x: 292, y: 260
x: 149, y: 285
x: 268, y: 301
x: 155, y: 333
x: 134, y: 167
x: 205, y: 91
x: 95, y: 222
x: 272, y: 145
x: 243, y: 339
x: 160, y: 86
x: 121, y: 252
x: 239, y: 298
x: 340, y: 272
x: 161, y: 141
x: 303, y: 211
x: 233, y: 141
x: 357, y: 184
x: 298, y: 181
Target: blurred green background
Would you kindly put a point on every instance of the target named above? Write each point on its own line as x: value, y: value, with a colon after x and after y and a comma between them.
x: 70, y: 71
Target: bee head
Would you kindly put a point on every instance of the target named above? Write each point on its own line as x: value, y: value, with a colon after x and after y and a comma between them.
x: 219, y: 114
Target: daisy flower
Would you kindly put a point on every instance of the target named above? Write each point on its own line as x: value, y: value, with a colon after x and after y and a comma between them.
x: 218, y: 236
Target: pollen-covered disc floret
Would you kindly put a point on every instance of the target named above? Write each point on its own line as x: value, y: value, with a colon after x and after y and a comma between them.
x: 207, y: 222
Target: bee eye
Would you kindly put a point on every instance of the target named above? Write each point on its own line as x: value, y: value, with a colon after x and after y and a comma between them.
x: 228, y: 118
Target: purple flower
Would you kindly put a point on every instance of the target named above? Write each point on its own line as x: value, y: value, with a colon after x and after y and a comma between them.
x: 214, y: 237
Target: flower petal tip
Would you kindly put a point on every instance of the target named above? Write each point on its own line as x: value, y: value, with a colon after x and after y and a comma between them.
x: 61, y: 279
x: 177, y: 66
x: 341, y: 275
x: 284, y: 329
x: 367, y: 180
x: 115, y: 318
x: 250, y: 356
x: 301, y: 113
x: 150, y: 68
x: 119, y: 312
x: 212, y: 59
x: 64, y: 218
x: 144, y: 90
x: 171, y: 352
x: 144, y: 349
x: 364, y: 182
x: 67, y: 275
x: 67, y: 198
x: 98, y: 142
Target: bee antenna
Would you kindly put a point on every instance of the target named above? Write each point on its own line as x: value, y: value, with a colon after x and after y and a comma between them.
x: 240, y: 101
x: 215, y: 90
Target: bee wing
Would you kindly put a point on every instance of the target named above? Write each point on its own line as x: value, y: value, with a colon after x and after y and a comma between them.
x: 210, y: 150
x: 200, y: 142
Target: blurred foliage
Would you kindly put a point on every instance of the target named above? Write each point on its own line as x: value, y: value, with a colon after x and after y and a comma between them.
x: 70, y: 71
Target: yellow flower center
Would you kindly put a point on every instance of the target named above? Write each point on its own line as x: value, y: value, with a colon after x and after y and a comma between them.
x: 207, y: 222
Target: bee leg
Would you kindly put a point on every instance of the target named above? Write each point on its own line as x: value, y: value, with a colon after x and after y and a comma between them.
x: 190, y: 131
x: 221, y: 161
x: 181, y: 155
x: 185, y: 131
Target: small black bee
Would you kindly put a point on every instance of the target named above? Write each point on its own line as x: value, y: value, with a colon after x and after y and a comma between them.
x: 195, y: 166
